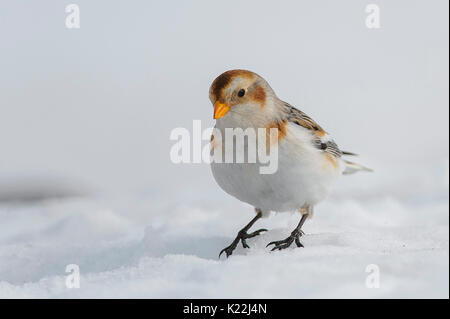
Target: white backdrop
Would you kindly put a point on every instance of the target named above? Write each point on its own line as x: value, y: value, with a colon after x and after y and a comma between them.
x: 96, y: 105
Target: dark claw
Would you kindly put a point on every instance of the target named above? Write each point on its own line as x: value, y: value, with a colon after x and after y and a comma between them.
x: 227, y: 250
x: 242, y: 236
x: 275, y: 248
x: 298, y: 243
x: 256, y: 233
x: 272, y: 243
x: 283, y: 244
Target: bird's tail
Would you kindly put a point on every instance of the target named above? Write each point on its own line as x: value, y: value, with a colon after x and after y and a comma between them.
x: 351, y: 168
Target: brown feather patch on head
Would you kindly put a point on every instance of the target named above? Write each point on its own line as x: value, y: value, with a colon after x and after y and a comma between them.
x: 223, y: 80
x: 259, y: 95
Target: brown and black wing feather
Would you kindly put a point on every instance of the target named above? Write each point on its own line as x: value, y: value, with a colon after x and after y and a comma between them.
x: 321, y: 139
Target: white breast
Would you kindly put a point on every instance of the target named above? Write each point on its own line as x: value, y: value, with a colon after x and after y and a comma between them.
x: 304, y: 176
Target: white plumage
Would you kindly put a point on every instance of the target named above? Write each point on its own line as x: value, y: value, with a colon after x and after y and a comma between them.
x: 304, y: 175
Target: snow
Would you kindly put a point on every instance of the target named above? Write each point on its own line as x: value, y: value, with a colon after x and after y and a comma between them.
x: 142, y: 247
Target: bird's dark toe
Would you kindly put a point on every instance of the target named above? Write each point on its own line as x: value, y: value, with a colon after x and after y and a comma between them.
x: 283, y: 244
x: 255, y: 233
x: 227, y: 250
x: 298, y: 243
x: 241, y: 237
x: 276, y: 243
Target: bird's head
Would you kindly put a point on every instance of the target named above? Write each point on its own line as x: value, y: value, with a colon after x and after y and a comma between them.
x: 241, y: 94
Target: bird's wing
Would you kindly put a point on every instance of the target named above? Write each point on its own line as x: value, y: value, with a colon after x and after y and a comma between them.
x: 321, y: 140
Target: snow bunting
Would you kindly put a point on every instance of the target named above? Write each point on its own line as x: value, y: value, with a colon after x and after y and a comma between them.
x: 309, y: 161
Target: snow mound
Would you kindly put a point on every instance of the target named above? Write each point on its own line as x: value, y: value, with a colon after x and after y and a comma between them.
x: 171, y: 251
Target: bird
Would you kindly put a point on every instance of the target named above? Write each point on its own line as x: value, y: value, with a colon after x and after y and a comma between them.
x: 309, y: 160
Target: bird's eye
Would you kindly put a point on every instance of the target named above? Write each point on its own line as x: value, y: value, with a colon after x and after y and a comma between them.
x: 241, y: 93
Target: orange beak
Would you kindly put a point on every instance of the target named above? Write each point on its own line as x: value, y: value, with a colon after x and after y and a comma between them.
x: 220, y: 109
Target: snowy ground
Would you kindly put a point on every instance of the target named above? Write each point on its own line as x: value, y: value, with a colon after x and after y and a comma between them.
x: 156, y: 250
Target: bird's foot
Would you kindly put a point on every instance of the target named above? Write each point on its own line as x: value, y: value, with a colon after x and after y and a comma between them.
x: 285, y: 243
x: 241, y: 237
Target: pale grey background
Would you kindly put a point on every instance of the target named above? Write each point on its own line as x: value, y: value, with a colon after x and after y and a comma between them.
x: 94, y: 107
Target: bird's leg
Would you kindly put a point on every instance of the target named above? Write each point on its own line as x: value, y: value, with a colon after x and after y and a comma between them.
x: 243, y: 235
x: 294, y: 237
